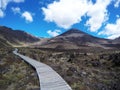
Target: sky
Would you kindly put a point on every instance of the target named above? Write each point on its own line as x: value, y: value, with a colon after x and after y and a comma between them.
x: 49, y: 18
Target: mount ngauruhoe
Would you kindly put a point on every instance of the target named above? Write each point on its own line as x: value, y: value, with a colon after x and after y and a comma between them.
x: 76, y: 39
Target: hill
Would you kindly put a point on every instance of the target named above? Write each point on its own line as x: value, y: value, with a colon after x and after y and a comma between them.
x: 116, y: 41
x: 12, y: 37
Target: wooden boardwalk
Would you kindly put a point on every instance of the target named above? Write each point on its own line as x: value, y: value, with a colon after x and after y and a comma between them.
x: 49, y: 79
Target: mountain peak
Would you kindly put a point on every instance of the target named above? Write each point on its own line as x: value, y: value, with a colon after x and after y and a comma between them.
x: 74, y: 32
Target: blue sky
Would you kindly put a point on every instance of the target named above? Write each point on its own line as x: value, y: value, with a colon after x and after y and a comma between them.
x: 49, y: 18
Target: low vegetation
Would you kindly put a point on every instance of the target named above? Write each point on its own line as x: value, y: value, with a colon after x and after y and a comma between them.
x: 15, y: 74
x: 83, y: 70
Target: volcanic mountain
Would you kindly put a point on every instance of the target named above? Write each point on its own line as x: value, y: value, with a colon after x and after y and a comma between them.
x: 9, y: 37
x: 75, y: 39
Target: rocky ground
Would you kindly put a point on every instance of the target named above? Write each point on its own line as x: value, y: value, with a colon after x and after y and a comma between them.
x: 94, y: 70
x: 15, y: 74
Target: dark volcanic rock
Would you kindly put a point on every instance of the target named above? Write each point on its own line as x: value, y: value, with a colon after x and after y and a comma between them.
x: 115, y: 59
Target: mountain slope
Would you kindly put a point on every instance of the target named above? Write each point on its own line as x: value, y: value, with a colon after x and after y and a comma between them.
x: 117, y: 40
x: 75, y: 39
x: 15, y: 37
x: 3, y: 43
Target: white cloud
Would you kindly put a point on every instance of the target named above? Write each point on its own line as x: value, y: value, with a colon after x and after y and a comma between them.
x: 117, y: 3
x: 112, y: 30
x: 114, y: 36
x: 1, y: 13
x: 66, y: 13
x: 4, y: 3
x: 28, y: 16
x: 98, y: 14
x: 54, y: 33
x: 16, y: 10
x: 117, y: 16
x: 18, y: 1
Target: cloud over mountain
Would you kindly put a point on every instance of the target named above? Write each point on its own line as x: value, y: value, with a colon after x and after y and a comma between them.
x: 112, y: 30
x: 66, y: 17
x: 54, y: 33
x: 64, y: 13
x: 98, y: 14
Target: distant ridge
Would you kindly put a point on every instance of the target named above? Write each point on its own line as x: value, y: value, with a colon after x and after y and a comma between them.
x: 10, y: 37
x: 117, y: 40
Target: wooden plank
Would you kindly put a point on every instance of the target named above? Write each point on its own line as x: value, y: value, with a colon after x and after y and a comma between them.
x: 49, y: 79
